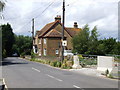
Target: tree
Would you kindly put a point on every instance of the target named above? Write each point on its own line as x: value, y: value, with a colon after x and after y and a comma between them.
x: 23, y: 44
x: 86, y: 42
x: 109, y: 44
x: 93, y: 42
x: 80, y: 41
x: 116, y: 49
x: 7, y: 39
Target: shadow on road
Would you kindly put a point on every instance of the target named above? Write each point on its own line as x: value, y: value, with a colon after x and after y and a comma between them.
x: 12, y: 62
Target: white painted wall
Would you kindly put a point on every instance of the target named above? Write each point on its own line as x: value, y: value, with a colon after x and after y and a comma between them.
x: 104, y: 63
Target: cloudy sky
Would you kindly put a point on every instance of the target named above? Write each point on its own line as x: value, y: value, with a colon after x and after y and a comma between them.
x: 100, y: 13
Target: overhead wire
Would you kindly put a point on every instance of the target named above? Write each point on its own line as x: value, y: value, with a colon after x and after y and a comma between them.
x: 46, y: 10
x: 40, y: 13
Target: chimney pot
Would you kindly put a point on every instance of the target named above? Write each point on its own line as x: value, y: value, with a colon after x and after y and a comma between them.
x: 58, y: 18
x: 75, y: 25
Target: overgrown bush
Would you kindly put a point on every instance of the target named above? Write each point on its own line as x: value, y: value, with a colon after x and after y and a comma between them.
x: 106, y: 72
x: 22, y: 55
x: 32, y: 54
x: 69, y: 63
x: 63, y: 66
x: 32, y: 59
x: 47, y: 61
x: 58, y: 64
x: 4, y: 54
x: 110, y: 76
x: 53, y: 63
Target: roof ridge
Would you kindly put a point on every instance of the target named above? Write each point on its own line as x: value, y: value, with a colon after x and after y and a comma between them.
x: 47, y: 27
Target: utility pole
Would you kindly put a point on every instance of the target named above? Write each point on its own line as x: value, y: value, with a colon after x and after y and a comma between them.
x: 32, y: 32
x: 63, y: 21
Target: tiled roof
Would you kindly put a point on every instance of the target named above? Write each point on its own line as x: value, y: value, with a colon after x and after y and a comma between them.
x: 46, y: 28
x: 54, y: 33
x: 72, y: 31
x: 44, y: 32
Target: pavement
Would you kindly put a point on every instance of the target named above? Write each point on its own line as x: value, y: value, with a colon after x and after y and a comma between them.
x: 88, y: 71
x: 19, y: 73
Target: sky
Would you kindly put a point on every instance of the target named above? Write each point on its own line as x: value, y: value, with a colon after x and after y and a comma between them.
x: 100, y: 13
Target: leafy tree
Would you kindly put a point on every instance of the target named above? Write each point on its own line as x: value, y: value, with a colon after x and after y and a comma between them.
x: 116, y: 49
x: 23, y: 44
x: 93, y: 42
x: 80, y: 41
x: 109, y: 44
x: 86, y: 42
x: 7, y: 39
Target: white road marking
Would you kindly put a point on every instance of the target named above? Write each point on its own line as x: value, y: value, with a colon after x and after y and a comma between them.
x: 6, y: 88
x: 76, y: 86
x: 54, y: 77
x: 36, y: 69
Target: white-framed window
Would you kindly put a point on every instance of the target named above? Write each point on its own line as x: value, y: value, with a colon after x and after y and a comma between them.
x: 45, y: 51
x: 44, y: 40
x: 39, y: 41
x: 57, y: 51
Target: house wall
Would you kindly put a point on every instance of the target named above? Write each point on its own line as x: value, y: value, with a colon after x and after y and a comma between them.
x: 40, y: 46
x: 52, y: 45
x: 69, y: 38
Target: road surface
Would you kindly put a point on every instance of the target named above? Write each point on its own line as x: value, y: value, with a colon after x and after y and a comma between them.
x: 19, y: 73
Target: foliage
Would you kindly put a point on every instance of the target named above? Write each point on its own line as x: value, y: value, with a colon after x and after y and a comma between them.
x: 67, y: 64
x: 7, y: 39
x: 22, y: 55
x: 64, y: 66
x: 58, y: 64
x: 110, y: 76
x: 32, y: 54
x: 80, y: 41
x: 4, y: 54
x: 22, y: 44
x: 106, y: 72
x: 108, y: 46
x: 53, y: 63
x: 93, y: 42
x: 87, y: 61
x: 86, y: 42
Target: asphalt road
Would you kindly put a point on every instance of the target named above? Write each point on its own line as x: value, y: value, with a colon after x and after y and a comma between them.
x: 19, y: 73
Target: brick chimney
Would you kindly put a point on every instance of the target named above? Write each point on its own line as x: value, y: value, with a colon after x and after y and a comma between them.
x: 58, y: 18
x: 75, y: 25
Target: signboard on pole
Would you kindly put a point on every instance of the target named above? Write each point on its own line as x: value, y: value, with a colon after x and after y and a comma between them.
x: 64, y: 43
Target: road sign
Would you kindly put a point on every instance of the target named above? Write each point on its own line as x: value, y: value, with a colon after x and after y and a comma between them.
x: 64, y: 43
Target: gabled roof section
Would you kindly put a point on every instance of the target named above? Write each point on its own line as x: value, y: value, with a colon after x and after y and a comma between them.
x: 73, y: 31
x: 46, y: 28
x: 54, y: 33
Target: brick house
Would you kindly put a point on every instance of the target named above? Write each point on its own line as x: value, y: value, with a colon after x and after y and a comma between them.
x: 47, y: 41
